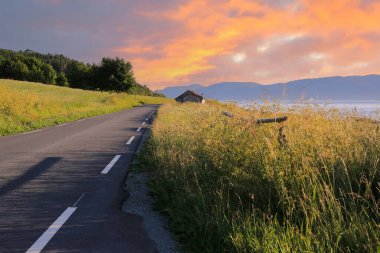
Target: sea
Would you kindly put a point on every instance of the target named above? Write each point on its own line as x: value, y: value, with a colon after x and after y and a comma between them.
x: 364, y: 108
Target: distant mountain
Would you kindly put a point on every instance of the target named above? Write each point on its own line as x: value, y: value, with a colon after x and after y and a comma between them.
x: 175, y: 91
x: 327, y: 88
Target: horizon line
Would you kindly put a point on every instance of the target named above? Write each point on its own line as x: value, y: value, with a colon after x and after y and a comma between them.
x: 276, y: 83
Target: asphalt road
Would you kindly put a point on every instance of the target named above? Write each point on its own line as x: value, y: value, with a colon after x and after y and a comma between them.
x: 54, y: 196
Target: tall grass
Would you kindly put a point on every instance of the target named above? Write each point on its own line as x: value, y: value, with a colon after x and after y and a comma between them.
x: 26, y: 106
x: 227, y: 185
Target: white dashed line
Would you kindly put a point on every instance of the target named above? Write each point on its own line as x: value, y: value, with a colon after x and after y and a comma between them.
x: 76, y: 203
x: 111, y: 164
x: 138, y: 129
x: 130, y: 140
x: 50, y: 232
x: 143, y: 123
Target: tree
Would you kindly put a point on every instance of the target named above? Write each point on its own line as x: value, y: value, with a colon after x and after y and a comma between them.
x: 61, y: 79
x: 49, y: 74
x: 78, y: 75
x: 13, y: 67
x: 114, y: 75
x: 2, y: 60
x: 19, y: 70
x: 6, y: 68
x: 39, y: 71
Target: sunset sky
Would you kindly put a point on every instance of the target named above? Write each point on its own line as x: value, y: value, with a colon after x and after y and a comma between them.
x: 176, y: 42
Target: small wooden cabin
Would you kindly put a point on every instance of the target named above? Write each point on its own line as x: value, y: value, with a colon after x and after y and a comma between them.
x: 190, y: 96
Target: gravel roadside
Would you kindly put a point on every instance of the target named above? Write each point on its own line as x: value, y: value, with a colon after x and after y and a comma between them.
x: 139, y: 202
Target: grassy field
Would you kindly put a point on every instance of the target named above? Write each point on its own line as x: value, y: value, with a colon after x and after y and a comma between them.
x: 26, y: 106
x: 227, y: 185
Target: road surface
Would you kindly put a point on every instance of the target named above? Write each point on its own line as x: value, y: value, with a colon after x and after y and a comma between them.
x: 60, y: 187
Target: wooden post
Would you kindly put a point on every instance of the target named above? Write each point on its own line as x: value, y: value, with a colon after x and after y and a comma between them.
x: 282, y: 137
x: 271, y: 120
x: 228, y: 114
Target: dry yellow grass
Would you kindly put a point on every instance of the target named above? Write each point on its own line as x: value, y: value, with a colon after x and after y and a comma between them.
x: 26, y: 106
x: 227, y: 184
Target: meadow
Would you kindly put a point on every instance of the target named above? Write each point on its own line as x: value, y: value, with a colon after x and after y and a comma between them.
x: 228, y: 185
x: 26, y: 106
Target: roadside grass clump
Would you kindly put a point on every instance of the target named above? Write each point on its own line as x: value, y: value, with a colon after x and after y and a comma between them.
x: 26, y: 106
x: 227, y: 185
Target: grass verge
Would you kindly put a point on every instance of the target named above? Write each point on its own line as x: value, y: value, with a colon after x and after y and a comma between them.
x: 26, y: 106
x: 227, y: 185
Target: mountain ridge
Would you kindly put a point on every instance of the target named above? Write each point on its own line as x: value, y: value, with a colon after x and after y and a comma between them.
x: 335, y: 87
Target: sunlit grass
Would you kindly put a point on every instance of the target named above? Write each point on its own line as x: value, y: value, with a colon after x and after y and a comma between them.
x: 26, y: 106
x: 227, y: 185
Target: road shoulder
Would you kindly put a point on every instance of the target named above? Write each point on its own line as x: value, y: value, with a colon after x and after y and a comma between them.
x: 140, y: 203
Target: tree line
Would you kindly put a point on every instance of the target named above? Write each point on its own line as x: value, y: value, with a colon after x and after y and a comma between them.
x: 111, y: 74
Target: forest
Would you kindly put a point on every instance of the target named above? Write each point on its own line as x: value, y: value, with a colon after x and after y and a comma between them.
x: 111, y: 74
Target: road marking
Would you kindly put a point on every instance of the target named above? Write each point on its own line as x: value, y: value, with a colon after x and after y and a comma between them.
x: 143, y: 123
x: 146, y: 119
x: 36, y: 131
x: 111, y: 164
x: 130, y: 140
x: 76, y: 203
x: 138, y: 129
x: 63, y: 125
x: 50, y: 232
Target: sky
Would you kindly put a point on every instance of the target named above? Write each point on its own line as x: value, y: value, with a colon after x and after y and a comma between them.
x: 177, y: 42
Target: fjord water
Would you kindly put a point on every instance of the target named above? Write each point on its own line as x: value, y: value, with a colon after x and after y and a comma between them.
x: 366, y: 108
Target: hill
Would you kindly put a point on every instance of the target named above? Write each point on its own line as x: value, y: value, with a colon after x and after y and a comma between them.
x: 334, y: 88
x: 115, y: 75
x: 27, y: 106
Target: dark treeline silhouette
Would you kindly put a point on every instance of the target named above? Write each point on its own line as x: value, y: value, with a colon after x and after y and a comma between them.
x: 111, y: 74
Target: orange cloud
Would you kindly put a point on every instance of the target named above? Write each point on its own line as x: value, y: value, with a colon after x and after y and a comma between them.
x: 299, y: 39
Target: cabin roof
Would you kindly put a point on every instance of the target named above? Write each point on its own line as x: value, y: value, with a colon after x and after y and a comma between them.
x: 189, y: 92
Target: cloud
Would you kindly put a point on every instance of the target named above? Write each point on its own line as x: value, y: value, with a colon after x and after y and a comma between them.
x: 173, y: 42
x: 277, y: 41
x: 316, y: 56
x: 318, y: 38
x: 239, y: 57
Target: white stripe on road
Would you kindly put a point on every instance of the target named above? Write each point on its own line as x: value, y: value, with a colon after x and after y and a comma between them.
x: 111, y: 164
x: 138, y: 129
x: 143, y: 123
x: 50, y: 232
x: 146, y: 119
x: 36, y: 131
x: 76, y: 203
x: 63, y: 125
x: 130, y: 140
